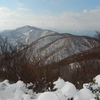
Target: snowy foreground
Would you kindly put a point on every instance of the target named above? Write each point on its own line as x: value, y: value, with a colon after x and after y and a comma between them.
x: 65, y: 91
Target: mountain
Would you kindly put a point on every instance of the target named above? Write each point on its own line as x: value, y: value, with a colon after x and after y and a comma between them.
x: 60, y: 46
x: 44, y: 41
x: 48, y: 44
x: 25, y: 35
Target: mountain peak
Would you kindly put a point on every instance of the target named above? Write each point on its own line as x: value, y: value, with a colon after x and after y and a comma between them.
x: 30, y: 27
x: 25, y: 34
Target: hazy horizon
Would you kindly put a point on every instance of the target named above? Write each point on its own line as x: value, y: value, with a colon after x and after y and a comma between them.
x: 74, y: 32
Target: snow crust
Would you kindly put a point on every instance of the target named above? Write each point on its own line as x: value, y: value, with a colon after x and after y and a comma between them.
x: 65, y: 91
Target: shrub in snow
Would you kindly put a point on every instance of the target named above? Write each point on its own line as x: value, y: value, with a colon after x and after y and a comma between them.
x: 16, y: 91
x: 68, y: 90
x: 65, y: 91
x: 97, y: 80
x: 94, y: 87
x: 59, y: 83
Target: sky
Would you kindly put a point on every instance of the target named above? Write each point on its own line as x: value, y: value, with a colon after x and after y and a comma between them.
x: 58, y: 15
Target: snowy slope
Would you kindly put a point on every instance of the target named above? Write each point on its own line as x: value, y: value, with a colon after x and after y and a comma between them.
x: 66, y: 46
x: 44, y: 41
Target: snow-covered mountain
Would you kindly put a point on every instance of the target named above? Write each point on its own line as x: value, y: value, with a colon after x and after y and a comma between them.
x: 66, y: 46
x: 49, y: 44
x: 46, y: 40
x: 25, y: 35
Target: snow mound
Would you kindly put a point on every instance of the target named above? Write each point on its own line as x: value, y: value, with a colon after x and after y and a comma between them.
x: 16, y: 91
x: 77, y: 97
x: 59, y: 83
x: 65, y: 90
x: 85, y: 94
x: 97, y: 79
x: 68, y: 90
x: 48, y: 96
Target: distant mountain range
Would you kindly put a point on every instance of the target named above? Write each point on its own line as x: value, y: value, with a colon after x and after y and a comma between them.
x: 90, y: 33
x: 49, y: 44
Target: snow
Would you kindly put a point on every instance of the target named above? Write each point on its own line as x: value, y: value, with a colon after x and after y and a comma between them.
x: 59, y: 83
x: 97, y: 79
x: 85, y: 94
x: 48, y: 96
x: 31, y: 30
x: 68, y: 90
x: 65, y: 91
x: 17, y: 91
x: 77, y: 97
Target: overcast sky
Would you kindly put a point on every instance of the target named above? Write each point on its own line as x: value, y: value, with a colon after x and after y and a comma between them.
x: 61, y: 15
